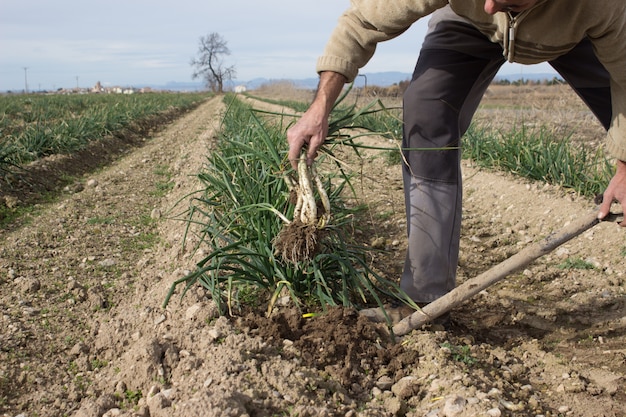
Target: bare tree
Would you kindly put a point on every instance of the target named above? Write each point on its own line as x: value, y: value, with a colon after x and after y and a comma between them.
x: 209, y: 66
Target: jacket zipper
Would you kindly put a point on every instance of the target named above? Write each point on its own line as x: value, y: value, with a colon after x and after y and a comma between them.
x: 510, y: 39
x: 513, y: 22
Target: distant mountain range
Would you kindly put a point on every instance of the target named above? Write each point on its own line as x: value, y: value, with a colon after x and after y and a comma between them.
x: 381, y: 79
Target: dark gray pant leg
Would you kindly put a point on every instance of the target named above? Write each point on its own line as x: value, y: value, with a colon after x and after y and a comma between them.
x: 589, y: 79
x: 445, y: 91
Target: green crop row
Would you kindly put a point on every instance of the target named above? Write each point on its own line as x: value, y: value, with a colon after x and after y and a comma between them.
x: 534, y: 153
x: 244, y: 206
x: 35, y: 126
x: 540, y: 155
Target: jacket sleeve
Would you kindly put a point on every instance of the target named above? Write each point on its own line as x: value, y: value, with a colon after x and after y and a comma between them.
x: 609, y: 40
x: 366, y: 23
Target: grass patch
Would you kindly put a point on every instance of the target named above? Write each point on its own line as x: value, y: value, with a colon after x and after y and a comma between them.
x: 576, y: 263
x: 164, y: 186
x: 460, y: 353
x: 143, y: 241
x: 101, y: 220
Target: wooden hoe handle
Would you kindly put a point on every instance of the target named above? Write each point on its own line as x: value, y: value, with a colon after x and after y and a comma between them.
x: 521, y: 259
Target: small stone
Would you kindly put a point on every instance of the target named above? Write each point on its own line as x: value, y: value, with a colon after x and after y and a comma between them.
x: 107, y: 263
x: 92, y: 183
x: 28, y: 285
x: 494, y: 392
x: 120, y: 387
x: 79, y: 348
x: 378, y: 243
x: 154, y: 390
x: 384, y: 383
x: 283, y: 301
x: 406, y: 387
x: 494, y: 412
x: 214, y: 334
x: 562, y: 252
x: 394, y: 406
x: 454, y: 406
x: 193, y: 311
x: 168, y: 393
x: 158, y: 402
x: 31, y: 311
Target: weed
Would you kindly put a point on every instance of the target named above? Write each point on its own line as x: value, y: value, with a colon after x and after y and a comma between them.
x: 132, y: 397
x: 162, y: 188
x: 101, y: 220
x: 460, y: 353
x: 576, y: 263
x: 393, y: 157
x: 385, y: 215
x: 98, y: 363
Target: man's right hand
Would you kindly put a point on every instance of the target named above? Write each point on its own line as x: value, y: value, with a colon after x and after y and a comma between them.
x: 312, y: 128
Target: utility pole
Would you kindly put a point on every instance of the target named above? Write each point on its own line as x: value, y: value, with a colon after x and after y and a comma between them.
x: 25, y: 80
x: 365, y: 77
x: 358, y: 92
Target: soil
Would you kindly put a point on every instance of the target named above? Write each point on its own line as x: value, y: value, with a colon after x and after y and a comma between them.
x: 84, y: 275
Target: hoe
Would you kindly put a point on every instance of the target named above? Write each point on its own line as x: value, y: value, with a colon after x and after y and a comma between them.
x: 473, y: 286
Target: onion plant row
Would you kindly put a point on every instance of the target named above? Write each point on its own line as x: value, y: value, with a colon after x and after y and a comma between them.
x: 539, y: 155
x: 242, y: 208
x: 34, y: 126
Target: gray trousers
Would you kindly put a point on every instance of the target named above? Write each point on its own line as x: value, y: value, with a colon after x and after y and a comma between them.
x: 456, y: 65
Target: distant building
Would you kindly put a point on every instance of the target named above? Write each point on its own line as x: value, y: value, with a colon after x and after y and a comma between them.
x: 240, y: 89
x: 97, y: 88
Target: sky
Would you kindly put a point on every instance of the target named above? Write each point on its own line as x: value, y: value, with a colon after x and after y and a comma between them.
x: 46, y: 45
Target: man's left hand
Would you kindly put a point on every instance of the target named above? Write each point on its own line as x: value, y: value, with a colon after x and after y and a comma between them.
x: 616, y: 191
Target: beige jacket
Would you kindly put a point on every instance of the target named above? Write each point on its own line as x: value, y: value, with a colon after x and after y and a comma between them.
x: 546, y: 31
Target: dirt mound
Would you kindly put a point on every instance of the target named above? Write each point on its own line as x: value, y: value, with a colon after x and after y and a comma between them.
x: 341, y: 343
